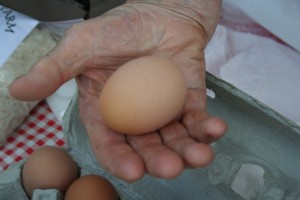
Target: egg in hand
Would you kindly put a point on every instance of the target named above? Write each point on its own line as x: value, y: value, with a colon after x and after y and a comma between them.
x: 143, y: 95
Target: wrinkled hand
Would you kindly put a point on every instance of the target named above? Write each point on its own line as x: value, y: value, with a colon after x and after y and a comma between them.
x: 92, y: 50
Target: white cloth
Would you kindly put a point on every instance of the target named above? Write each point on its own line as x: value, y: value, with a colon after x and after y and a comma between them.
x: 263, y: 68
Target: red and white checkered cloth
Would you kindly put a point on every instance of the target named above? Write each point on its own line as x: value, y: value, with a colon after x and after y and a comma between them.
x: 41, y: 128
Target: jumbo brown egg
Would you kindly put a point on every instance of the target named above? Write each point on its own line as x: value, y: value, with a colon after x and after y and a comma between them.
x: 91, y: 187
x: 143, y: 95
x: 49, y: 168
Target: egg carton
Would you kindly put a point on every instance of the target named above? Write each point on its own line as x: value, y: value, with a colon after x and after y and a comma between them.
x: 256, y: 159
x: 251, y: 159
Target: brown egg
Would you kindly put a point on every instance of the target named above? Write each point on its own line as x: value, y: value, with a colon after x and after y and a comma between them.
x: 143, y: 95
x: 49, y: 168
x: 91, y: 187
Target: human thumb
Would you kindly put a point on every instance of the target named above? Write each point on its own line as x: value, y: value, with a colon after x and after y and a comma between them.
x: 40, y: 82
x: 48, y: 74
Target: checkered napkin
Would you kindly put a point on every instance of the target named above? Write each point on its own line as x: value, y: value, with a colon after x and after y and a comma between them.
x: 41, y: 128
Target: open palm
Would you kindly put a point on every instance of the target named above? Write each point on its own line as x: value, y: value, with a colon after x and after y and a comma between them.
x: 91, y: 51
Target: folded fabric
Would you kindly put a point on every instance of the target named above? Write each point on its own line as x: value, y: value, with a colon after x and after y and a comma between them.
x: 260, y: 66
x: 13, y: 112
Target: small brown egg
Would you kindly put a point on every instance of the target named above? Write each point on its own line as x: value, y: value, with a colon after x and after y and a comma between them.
x: 49, y: 168
x: 91, y: 187
x: 143, y: 95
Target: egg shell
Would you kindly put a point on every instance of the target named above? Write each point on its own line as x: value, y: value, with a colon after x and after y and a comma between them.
x: 91, y: 187
x: 143, y: 95
x: 49, y: 168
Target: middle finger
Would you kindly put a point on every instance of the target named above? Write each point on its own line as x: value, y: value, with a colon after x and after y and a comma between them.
x: 160, y: 161
x: 194, y: 153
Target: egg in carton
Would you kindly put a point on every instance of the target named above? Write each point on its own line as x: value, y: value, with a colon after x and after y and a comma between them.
x: 11, y: 186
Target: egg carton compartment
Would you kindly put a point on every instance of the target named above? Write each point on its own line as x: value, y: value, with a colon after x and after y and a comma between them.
x: 11, y: 183
x: 51, y: 194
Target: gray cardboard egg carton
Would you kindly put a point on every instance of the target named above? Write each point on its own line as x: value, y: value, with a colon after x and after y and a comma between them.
x: 258, y: 158
x: 260, y: 144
